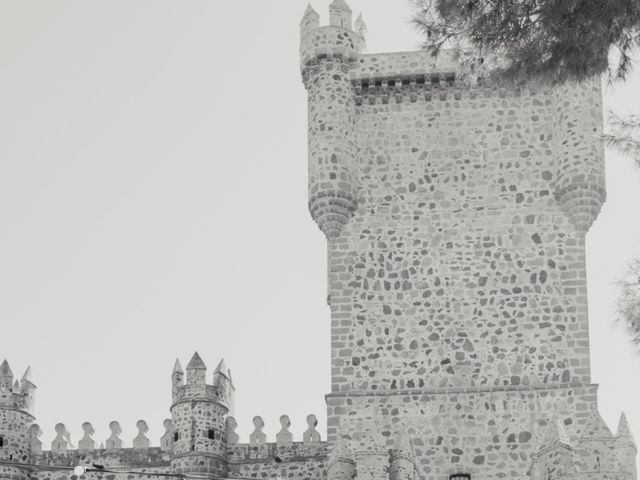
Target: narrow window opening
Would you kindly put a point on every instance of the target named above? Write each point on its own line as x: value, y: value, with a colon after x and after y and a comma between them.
x: 176, y: 436
x: 211, y: 434
x: 1, y: 441
x: 460, y: 476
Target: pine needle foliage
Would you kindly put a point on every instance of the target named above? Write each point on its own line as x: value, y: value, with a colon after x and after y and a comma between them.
x: 552, y: 41
x: 623, y: 135
x: 629, y: 301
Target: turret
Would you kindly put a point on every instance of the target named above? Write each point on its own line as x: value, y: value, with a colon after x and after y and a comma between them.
x: 361, y: 29
x: 6, y: 377
x: 402, y: 461
x: 341, y: 464
x: 326, y: 55
x: 16, y: 420
x: 224, y: 384
x: 310, y: 20
x: 625, y: 448
x: 28, y: 389
x: 199, y: 413
x: 177, y: 378
x: 553, y: 459
x: 340, y: 14
x: 579, y: 180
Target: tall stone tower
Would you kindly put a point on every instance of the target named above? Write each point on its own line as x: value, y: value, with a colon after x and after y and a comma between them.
x: 16, y: 418
x: 199, y: 413
x: 455, y: 219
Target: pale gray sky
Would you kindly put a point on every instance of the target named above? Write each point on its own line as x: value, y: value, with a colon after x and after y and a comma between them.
x: 153, y: 202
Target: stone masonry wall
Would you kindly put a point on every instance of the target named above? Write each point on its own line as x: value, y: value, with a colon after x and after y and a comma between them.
x: 459, y: 267
x: 490, y: 434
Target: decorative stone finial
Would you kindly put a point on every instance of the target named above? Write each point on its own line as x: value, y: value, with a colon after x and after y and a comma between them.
x: 166, y: 441
x: 87, y: 444
x: 114, y: 442
x: 258, y: 437
x: 141, y: 441
x: 232, y: 436
x: 60, y: 444
x: 284, y: 435
x: 36, y: 445
x: 311, y: 434
x: 623, y: 433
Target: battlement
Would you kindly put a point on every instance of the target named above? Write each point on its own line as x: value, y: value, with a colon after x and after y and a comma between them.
x: 221, y: 390
x: 338, y: 39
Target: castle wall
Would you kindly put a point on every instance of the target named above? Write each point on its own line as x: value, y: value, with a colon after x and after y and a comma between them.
x: 298, y: 461
x: 488, y: 433
x: 459, y: 268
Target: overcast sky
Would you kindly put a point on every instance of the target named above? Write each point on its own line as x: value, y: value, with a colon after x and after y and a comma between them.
x: 153, y: 201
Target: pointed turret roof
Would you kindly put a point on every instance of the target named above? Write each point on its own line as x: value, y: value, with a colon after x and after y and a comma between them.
x: 222, y: 369
x: 310, y: 11
x: 27, y: 376
x: 5, y: 370
x: 196, y: 363
x: 177, y: 368
x: 624, y: 432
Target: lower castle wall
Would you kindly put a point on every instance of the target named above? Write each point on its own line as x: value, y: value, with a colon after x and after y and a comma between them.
x: 145, y: 460
x: 300, y: 461
x: 489, y: 433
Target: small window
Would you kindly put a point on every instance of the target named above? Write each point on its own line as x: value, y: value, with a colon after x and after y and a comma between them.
x: 176, y: 436
x: 1, y: 441
x: 460, y: 476
x: 211, y: 434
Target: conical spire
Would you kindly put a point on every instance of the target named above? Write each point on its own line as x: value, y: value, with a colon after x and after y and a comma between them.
x: 360, y: 26
x: 5, y: 370
x: 177, y: 368
x: 196, y: 363
x: 624, y: 432
x: 222, y: 369
x: 27, y: 376
x: 310, y: 12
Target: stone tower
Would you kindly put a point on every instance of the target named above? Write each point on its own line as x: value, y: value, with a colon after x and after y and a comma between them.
x: 455, y: 219
x: 199, y: 413
x: 16, y: 418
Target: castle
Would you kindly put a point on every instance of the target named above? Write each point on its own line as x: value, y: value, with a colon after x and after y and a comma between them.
x: 455, y: 220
